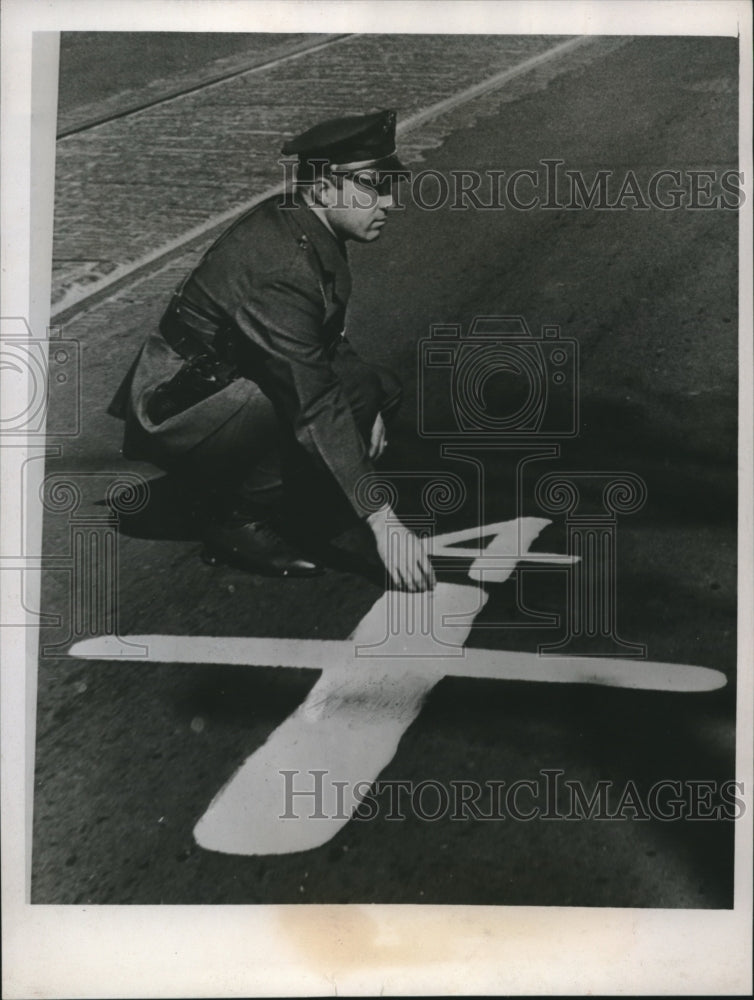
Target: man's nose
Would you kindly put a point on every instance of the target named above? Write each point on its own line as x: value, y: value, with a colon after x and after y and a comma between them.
x: 386, y: 201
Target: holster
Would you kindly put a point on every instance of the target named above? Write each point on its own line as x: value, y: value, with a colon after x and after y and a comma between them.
x: 210, y: 366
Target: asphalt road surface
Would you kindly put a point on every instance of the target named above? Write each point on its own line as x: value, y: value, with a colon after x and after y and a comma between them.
x: 129, y: 755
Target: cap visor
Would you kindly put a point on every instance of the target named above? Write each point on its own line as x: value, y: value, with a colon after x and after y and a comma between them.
x: 384, y: 164
x: 389, y: 165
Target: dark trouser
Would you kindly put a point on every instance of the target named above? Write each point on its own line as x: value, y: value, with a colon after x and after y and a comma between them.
x: 253, y: 466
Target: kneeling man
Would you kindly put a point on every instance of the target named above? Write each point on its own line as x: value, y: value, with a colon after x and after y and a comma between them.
x: 250, y: 391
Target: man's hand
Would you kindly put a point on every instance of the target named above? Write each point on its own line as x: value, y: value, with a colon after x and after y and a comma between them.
x: 403, y: 553
x: 378, y: 440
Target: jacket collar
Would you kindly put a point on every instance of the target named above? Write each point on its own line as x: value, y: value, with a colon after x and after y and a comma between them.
x: 329, y: 250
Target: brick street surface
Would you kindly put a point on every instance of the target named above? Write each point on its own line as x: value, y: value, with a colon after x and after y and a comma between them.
x: 128, y: 186
x: 144, y: 67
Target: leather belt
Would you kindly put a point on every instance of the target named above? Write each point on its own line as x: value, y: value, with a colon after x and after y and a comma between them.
x: 208, y: 363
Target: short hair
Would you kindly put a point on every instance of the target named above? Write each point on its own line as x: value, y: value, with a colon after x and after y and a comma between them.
x: 309, y: 171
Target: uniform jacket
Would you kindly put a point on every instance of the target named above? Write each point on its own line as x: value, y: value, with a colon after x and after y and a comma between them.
x: 280, y: 280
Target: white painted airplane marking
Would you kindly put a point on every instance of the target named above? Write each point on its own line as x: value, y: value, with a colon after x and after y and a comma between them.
x: 351, y: 722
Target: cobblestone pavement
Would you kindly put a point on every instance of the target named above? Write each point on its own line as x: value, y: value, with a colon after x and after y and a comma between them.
x: 145, y: 67
x: 129, y: 186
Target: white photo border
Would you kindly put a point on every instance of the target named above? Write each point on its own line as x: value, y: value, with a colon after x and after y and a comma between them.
x: 236, y: 951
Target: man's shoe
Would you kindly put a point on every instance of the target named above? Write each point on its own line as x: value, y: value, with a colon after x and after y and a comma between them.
x: 256, y: 547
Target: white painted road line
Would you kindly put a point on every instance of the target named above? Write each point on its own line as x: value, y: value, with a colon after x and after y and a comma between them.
x: 491, y: 83
x: 333, y: 655
x: 372, y: 686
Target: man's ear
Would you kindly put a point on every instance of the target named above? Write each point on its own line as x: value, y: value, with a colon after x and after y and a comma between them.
x: 324, y: 191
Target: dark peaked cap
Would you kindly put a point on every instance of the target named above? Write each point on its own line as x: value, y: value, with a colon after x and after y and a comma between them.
x: 368, y: 140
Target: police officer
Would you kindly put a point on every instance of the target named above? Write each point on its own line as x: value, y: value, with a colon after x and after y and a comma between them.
x: 250, y: 391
